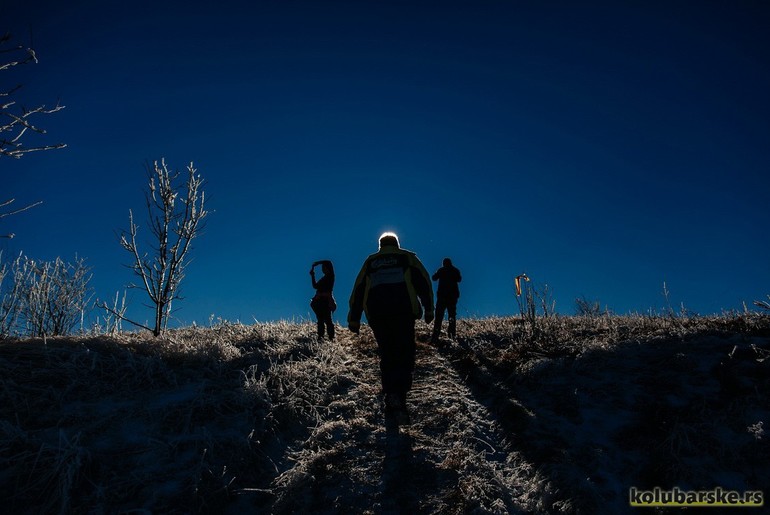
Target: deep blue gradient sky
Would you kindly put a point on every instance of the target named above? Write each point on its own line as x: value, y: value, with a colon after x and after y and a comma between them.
x: 601, y: 147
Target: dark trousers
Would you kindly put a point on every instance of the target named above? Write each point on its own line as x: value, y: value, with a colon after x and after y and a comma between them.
x: 450, y: 306
x: 397, y: 348
x: 324, y: 316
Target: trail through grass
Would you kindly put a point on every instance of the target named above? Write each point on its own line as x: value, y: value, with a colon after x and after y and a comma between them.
x: 451, y: 457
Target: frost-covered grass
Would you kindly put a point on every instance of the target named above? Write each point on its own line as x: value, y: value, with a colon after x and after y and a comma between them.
x: 563, y: 416
x: 602, y: 404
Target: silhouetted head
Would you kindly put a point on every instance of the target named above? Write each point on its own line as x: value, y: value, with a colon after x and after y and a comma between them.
x: 389, y: 239
x: 447, y: 262
x: 327, y: 268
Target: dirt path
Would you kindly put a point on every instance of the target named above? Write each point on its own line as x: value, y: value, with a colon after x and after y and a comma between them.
x: 451, y: 458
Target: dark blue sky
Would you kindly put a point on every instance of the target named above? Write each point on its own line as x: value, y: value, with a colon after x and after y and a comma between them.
x: 601, y: 147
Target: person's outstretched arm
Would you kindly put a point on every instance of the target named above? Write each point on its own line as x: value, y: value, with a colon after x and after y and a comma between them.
x: 356, y: 303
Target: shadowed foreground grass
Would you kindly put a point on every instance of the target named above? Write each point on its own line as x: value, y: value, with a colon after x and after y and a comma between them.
x: 563, y: 416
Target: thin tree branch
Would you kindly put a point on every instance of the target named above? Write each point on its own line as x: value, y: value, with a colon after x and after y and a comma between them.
x: 105, y: 307
x: 3, y: 215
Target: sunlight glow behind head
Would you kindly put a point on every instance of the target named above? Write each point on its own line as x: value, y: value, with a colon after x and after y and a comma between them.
x: 389, y: 239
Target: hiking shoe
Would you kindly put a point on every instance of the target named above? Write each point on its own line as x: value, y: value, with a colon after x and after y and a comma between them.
x: 395, y: 409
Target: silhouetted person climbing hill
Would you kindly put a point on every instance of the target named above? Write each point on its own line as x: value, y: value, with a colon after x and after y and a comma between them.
x: 323, y: 303
x: 392, y: 288
x: 446, y: 298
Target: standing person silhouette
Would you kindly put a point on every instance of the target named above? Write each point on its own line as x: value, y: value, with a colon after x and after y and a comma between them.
x: 323, y: 303
x: 392, y: 289
x: 446, y: 299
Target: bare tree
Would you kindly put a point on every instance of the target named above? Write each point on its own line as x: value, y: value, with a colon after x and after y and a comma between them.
x: 17, y: 121
x: 174, y: 222
x: 56, y: 296
x: 47, y: 298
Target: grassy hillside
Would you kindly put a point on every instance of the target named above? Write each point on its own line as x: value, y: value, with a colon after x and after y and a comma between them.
x: 563, y: 416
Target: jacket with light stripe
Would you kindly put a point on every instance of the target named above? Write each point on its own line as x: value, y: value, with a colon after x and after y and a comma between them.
x: 392, y: 281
